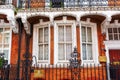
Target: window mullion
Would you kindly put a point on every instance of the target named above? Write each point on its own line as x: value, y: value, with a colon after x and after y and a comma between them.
x: 118, y: 33
x: 65, y: 41
x: 86, y: 43
x: 113, y: 34
x: 43, y: 43
x: 3, y: 41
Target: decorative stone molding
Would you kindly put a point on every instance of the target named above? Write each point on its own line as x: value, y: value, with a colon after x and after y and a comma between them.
x: 64, y: 19
x: 13, y: 24
x: 7, y: 7
x: 77, y: 24
x: 26, y: 25
x: 51, y: 21
x: 71, y: 9
x: 77, y: 21
x: 2, y: 23
x: 104, y: 24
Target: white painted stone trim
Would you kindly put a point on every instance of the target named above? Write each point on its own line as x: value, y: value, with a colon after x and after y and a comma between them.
x: 56, y: 23
x: 4, y: 25
x: 35, y: 41
x: 111, y: 45
x: 94, y: 43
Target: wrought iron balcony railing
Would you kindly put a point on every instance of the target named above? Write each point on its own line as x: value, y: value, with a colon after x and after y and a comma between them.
x: 5, y: 2
x: 67, y: 3
x: 61, y: 3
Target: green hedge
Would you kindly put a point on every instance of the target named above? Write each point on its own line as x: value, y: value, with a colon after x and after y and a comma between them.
x: 1, y: 62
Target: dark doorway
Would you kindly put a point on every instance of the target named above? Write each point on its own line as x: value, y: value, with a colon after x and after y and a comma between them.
x: 114, y: 56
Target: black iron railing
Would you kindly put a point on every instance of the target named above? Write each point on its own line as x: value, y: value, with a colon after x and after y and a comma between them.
x: 63, y: 72
x: 5, y: 2
x: 62, y: 3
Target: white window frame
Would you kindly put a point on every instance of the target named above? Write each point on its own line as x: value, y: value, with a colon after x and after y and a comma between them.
x: 36, y: 28
x: 73, y: 26
x: 64, y: 42
x: 7, y: 25
x: 112, y: 25
x: 111, y: 44
x: 94, y: 42
x: 114, y: 33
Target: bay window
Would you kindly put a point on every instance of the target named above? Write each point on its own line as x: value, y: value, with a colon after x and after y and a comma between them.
x: 43, y: 43
x: 41, y: 40
x: 64, y: 42
x: 5, y: 41
x: 89, y: 44
x: 114, y: 33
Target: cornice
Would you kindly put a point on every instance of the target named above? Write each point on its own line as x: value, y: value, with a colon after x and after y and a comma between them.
x: 71, y: 9
x: 7, y: 7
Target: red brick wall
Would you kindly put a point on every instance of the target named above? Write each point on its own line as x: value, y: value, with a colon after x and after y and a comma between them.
x: 14, y: 47
x: 113, y: 2
x: 52, y: 45
x: 92, y: 73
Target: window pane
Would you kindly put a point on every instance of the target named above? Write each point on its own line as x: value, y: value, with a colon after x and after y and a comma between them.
x: 46, y: 34
x: 89, y: 51
x: 40, y: 54
x: 84, y: 51
x: 68, y: 51
x: 89, y: 35
x: 1, y: 38
x: 115, y: 36
x: 61, y: 33
x: 119, y: 30
x: 114, y: 30
x: 119, y: 36
x: 68, y: 33
x: 6, y: 53
x: 6, y: 38
x: 83, y: 34
x: 109, y: 30
x: 0, y: 45
x: 110, y: 37
x: 40, y: 35
x: 61, y: 52
x: 7, y: 29
x: 0, y: 50
x: 1, y: 30
x: 46, y: 52
x: 6, y: 45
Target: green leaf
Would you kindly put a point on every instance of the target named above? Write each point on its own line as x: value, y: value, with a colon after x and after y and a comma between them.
x: 1, y: 62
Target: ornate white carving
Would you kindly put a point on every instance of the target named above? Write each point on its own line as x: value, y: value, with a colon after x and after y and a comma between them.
x: 2, y: 22
x: 71, y: 9
x: 104, y: 24
x: 13, y: 24
x: 7, y: 7
x: 64, y: 19
x: 26, y: 25
x: 77, y: 23
x: 51, y: 21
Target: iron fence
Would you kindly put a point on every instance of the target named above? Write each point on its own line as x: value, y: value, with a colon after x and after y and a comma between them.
x: 64, y: 72
x: 5, y: 2
x: 115, y: 71
x: 62, y: 3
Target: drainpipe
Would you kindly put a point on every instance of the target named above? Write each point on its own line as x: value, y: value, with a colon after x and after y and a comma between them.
x: 28, y: 3
x: 27, y: 56
x: 19, y: 48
